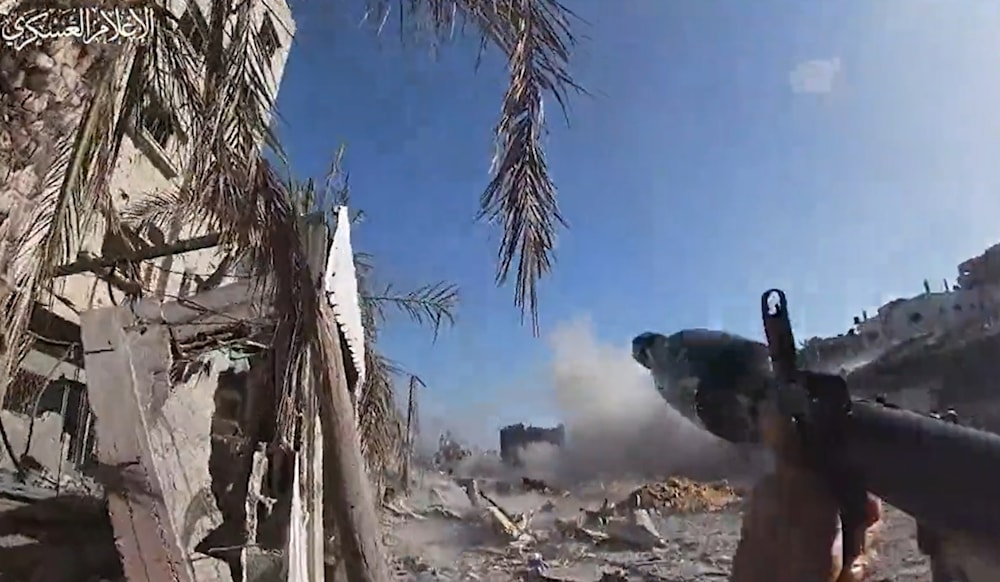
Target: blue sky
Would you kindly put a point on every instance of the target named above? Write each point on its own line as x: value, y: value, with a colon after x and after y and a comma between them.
x: 842, y: 150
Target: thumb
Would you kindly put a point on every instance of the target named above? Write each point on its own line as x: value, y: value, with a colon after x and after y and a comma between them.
x: 855, y: 572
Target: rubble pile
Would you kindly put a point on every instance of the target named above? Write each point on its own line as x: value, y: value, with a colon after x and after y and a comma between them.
x: 680, y: 495
x: 628, y: 523
x: 674, y: 529
x: 450, y: 451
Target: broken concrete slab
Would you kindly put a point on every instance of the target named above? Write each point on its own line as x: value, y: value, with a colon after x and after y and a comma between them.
x: 179, y: 421
x: 637, y: 530
x: 147, y: 541
x: 158, y: 436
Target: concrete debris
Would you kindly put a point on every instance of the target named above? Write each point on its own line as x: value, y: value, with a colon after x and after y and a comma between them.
x: 413, y: 568
x: 44, y: 445
x: 573, y: 529
x: 441, y: 511
x: 400, y: 509
x: 513, y: 526
x: 471, y: 488
x: 625, y: 523
x: 674, y: 529
x: 547, y: 577
x: 637, y: 531
x: 600, y: 515
x: 537, y: 485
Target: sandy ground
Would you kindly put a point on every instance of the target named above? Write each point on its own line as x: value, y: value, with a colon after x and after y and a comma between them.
x: 697, y: 546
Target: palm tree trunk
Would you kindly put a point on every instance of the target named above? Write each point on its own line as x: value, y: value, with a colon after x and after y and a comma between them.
x: 349, y: 506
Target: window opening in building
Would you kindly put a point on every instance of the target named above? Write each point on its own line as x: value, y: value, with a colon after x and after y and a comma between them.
x: 268, y: 38
x: 156, y: 121
x: 916, y: 317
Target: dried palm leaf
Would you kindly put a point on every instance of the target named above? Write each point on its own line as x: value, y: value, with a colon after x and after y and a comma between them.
x: 67, y: 195
x: 432, y: 305
x: 380, y: 423
x: 536, y: 38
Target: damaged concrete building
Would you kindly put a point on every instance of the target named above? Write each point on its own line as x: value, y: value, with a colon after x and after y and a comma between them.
x: 186, y: 478
x: 144, y: 431
x: 516, y: 437
x: 957, y: 371
x: 934, y: 351
x: 971, y: 306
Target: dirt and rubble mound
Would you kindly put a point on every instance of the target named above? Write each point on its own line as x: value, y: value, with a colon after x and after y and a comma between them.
x: 671, y: 529
x: 681, y: 495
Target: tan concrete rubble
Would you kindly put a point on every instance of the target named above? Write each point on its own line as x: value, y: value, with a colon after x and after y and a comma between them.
x: 627, y: 523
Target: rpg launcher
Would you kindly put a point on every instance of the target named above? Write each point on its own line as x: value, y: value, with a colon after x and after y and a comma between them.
x: 944, y: 475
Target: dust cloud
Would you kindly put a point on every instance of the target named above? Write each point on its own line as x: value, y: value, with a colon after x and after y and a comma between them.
x: 617, y: 425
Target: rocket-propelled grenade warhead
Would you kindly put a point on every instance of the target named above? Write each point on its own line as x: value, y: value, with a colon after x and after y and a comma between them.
x: 713, y: 378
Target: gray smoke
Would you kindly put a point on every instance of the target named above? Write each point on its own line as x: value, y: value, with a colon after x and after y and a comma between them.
x: 617, y: 425
x: 616, y: 422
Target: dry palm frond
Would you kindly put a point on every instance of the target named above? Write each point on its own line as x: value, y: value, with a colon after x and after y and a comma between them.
x: 380, y: 423
x: 228, y: 188
x: 70, y: 195
x: 323, y: 196
x: 432, y: 305
x: 535, y: 36
x: 72, y: 201
x: 222, y: 108
x: 221, y: 97
x: 380, y: 419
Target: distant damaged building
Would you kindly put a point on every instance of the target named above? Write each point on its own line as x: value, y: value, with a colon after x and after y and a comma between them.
x: 516, y: 437
x: 980, y: 271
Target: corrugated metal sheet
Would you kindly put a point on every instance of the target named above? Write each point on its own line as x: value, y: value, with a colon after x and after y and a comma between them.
x: 341, y: 285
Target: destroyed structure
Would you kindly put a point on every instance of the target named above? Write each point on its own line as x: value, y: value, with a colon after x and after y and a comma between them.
x: 934, y: 351
x: 972, y: 304
x: 516, y: 437
x: 164, y: 462
x: 450, y: 452
x: 186, y: 477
